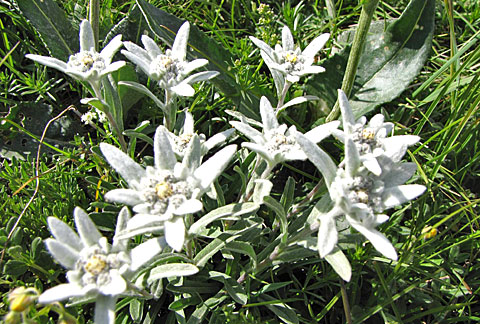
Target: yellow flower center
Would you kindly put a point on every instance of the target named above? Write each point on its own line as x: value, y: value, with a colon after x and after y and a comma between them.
x: 362, y: 196
x: 96, y: 264
x: 292, y: 58
x: 368, y: 134
x: 163, y: 190
x: 87, y: 60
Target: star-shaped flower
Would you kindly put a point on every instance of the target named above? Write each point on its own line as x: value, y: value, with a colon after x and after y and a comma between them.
x: 291, y: 61
x: 96, y: 268
x: 277, y: 143
x: 181, y: 141
x: 163, y: 194
x: 87, y: 65
x: 372, y: 139
x: 360, y: 195
x: 169, y: 69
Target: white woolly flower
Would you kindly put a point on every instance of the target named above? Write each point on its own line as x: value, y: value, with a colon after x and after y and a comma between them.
x: 181, y: 141
x: 87, y: 65
x: 161, y: 195
x: 372, y: 139
x: 291, y: 61
x: 96, y: 268
x: 169, y: 69
x: 277, y: 143
x: 360, y: 195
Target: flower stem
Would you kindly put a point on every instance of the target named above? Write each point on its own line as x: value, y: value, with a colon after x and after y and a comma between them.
x: 94, y: 18
x: 346, y: 304
x: 281, y: 100
x: 170, y: 106
x: 366, y: 15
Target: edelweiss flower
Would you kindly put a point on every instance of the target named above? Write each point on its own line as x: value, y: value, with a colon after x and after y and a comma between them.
x: 170, y: 69
x: 371, y: 139
x: 277, y: 143
x: 163, y: 194
x: 87, y: 65
x: 181, y: 141
x: 96, y: 268
x: 360, y: 195
x: 291, y: 61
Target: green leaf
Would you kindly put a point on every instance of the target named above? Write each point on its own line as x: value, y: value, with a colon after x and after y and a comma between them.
x: 280, y: 215
x: 165, y: 26
x: 15, y: 268
x: 284, y: 312
x: 340, y: 264
x: 171, y: 270
x: 243, y: 248
x: 391, y: 59
x: 50, y: 21
x: 136, y: 309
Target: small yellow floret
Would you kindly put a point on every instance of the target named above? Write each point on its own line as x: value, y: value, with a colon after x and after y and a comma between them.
x: 292, y: 58
x: 368, y: 134
x: 95, y: 265
x: 163, y: 190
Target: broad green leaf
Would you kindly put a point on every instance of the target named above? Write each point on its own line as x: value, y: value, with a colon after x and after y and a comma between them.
x: 50, y: 21
x: 136, y: 309
x: 234, y: 289
x: 284, y: 312
x: 35, y: 116
x: 171, y: 270
x: 280, y: 215
x: 132, y: 27
x: 391, y: 59
x: 231, y: 210
x: 340, y: 264
x: 165, y: 26
x: 243, y: 248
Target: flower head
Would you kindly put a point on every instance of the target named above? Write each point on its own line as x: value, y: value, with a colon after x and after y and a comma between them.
x: 87, y: 65
x: 169, y: 69
x: 289, y: 60
x: 181, y: 141
x: 277, y: 143
x: 163, y: 194
x: 372, y: 139
x: 95, y: 266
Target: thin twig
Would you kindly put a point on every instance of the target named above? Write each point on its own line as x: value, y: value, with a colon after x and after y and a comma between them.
x: 37, y: 180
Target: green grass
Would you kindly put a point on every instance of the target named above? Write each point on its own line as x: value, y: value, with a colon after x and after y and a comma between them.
x: 436, y: 279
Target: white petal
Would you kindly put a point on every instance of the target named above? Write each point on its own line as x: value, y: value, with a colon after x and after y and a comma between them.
x: 144, y: 252
x: 124, y: 196
x: 59, y: 293
x: 395, y: 196
x: 371, y: 163
x: 327, y: 235
x: 64, y: 254
x: 89, y: 233
x: 316, y: 45
x: 113, y: 67
x: 287, y: 39
x: 140, y: 62
x: 179, y: 47
x: 105, y: 309
x: 352, y: 158
x: 115, y: 286
x: 214, y: 166
x: 378, y: 240
x: 318, y: 157
x: 193, y: 65
x: 87, y: 41
x: 164, y: 156
x: 376, y: 121
x: 398, y: 173
x: 263, y: 47
x: 188, y: 207
x: 122, y: 221
x: 183, y: 89
x: 144, y: 220
x: 188, y: 124
x: 130, y: 170
x: 317, y: 134
x: 112, y: 47
x: 175, y: 233
x: 64, y: 234
x: 136, y: 50
x: 201, y: 76
x: 263, y: 152
x: 193, y: 155
x: 217, y: 139
x: 48, y: 61
x: 248, y: 131
x: 269, y: 118
x: 312, y: 69
x: 293, y: 78
x: 347, y: 114
x: 151, y: 47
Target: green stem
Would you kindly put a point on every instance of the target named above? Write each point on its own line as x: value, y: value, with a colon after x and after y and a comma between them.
x: 281, y: 100
x: 366, y: 16
x: 170, y: 106
x: 346, y: 304
x: 331, y: 8
x: 94, y: 18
